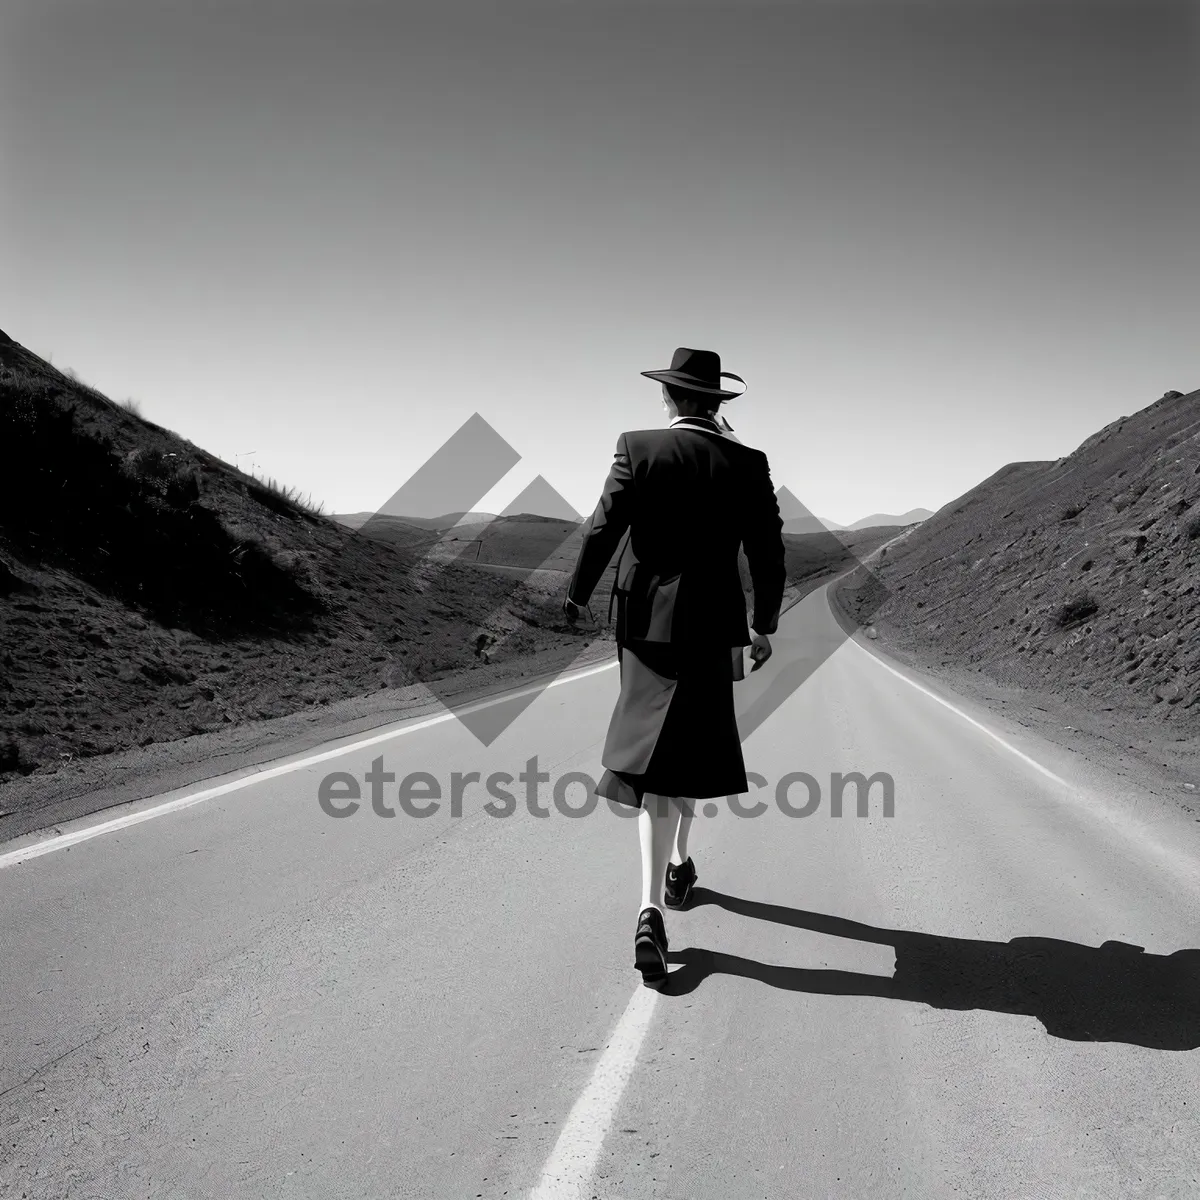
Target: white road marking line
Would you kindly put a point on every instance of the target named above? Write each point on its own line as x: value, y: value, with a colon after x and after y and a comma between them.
x: 568, y: 1172
x: 1037, y: 766
x: 1178, y: 860
x: 75, y: 833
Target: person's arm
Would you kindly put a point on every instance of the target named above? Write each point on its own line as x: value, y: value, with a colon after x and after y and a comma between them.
x: 605, y: 529
x: 762, y: 539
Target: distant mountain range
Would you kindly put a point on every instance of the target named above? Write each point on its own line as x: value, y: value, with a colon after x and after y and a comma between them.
x: 797, y: 518
x: 436, y: 524
x: 912, y: 517
x: 538, y: 500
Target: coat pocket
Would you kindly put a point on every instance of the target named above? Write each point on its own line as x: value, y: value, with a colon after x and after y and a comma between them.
x: 645, y: 603
x: 661, y: 600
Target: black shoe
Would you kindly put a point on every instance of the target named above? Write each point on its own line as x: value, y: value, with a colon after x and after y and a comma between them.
x: 680, y: 880
x: 650, y: 947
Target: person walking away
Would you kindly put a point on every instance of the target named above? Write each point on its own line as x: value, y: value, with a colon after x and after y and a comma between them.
x: 679, y: 502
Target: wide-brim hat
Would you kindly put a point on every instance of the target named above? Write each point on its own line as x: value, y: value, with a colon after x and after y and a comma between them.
x: 698, y: 371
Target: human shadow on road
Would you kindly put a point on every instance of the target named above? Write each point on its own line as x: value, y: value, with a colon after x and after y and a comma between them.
x: 1113, y: 993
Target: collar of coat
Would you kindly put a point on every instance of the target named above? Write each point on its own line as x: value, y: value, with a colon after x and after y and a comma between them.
x: 720, y: 426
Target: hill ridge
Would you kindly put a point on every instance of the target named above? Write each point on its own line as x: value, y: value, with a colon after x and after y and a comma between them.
x: 150, y: 591
x: 1079, y: 575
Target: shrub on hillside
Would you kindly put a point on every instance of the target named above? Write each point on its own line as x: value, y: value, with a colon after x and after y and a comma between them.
x: 287, y: 501
x: 1076, y: 610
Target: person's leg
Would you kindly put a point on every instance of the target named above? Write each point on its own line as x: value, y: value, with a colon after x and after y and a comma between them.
x: 658, y: 824
x: 687, y: 810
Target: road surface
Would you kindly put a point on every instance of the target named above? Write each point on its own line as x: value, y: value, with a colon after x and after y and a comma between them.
x: 979, y: 996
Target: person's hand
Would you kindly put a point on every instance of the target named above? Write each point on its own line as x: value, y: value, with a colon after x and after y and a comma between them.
x: 760, y: 650
x: 570, y: 611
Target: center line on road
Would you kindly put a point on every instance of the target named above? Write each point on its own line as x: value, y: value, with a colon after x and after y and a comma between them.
x: 568, y: 1172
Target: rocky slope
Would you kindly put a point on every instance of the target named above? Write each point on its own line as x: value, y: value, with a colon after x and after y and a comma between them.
x: 1079, y: 577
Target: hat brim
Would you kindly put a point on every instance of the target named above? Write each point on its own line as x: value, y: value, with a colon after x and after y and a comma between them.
x: 679, y: 379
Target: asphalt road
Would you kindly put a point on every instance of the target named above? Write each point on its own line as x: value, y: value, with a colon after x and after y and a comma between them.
x: 972, y: 997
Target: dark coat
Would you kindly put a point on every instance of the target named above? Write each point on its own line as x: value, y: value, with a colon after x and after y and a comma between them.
x: 687, y: 497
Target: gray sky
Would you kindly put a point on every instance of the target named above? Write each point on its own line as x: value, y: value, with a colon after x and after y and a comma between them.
x: 933, y: 237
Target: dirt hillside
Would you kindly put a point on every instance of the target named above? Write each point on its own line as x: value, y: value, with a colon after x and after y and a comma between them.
x: 1079, y: 578
x: 150, y: 591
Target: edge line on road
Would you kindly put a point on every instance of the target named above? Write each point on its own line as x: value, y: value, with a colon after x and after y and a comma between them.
x: 1032, y: 762
x: 72, y: 833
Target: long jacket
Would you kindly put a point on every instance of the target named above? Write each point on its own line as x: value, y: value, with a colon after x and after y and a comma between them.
x: 680, y: 502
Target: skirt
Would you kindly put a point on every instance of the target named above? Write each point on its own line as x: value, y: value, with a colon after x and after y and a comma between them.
x: 673, y: 730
